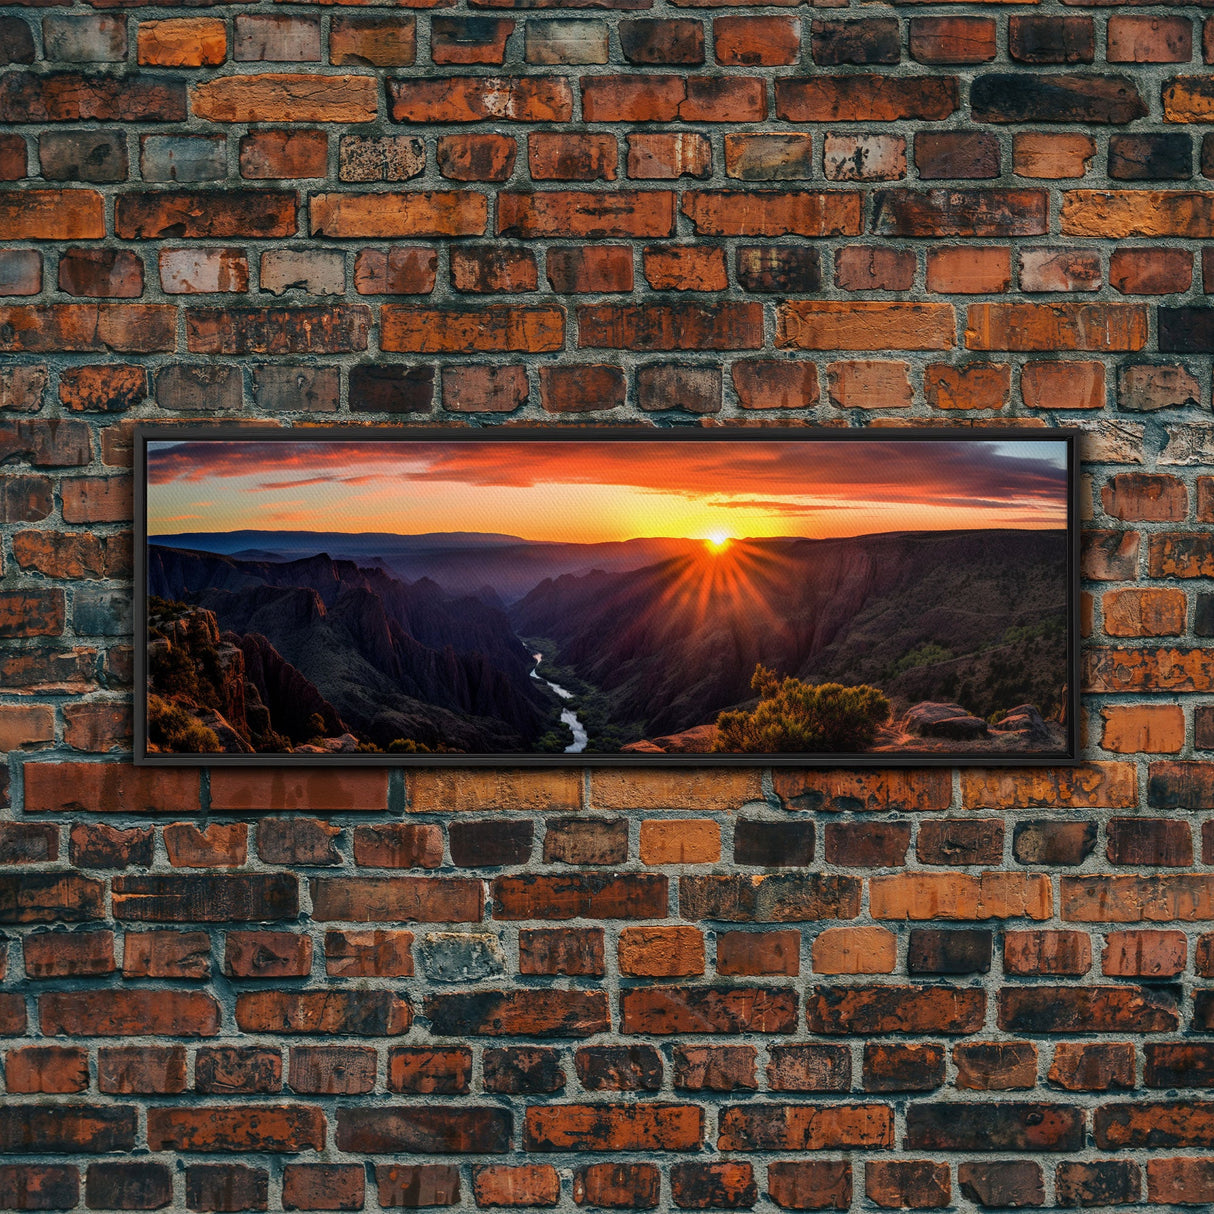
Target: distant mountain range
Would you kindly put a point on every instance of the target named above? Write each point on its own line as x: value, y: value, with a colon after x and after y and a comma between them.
x: 461, y: 562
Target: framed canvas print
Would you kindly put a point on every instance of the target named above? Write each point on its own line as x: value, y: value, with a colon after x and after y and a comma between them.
x: 527, y: 597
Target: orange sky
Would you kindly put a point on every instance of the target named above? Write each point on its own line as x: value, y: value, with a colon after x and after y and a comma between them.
x: 587, y: 491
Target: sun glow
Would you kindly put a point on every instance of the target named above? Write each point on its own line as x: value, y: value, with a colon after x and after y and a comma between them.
x: 716, y: 540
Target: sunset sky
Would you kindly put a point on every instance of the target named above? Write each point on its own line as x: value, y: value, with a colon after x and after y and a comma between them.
x: 587, y: 491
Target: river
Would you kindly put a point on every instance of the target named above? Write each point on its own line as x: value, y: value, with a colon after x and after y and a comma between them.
x: 568, y: 716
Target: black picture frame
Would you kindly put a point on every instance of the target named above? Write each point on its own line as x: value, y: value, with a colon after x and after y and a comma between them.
x: 1066, y: 754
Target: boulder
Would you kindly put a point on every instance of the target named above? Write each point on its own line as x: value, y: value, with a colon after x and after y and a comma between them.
x: 1025, y: 719
x: 933, y: 720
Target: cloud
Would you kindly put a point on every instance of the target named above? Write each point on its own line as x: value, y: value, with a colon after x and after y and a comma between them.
x: 964, y: 472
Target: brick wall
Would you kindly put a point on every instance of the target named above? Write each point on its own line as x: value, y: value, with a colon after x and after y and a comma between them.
x: 727, y: 989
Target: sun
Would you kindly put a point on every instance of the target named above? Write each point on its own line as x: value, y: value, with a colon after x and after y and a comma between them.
x: 716, y: 540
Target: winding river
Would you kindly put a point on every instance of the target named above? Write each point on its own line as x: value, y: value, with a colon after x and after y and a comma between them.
x: 568, y: 716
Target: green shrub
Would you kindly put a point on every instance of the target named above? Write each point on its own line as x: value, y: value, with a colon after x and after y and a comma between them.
x: 172, y: 729
x: 793, y: 717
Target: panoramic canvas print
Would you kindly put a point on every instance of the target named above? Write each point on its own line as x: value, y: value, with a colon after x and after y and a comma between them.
x: 900, y: 597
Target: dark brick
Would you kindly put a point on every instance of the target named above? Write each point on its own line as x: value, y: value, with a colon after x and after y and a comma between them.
x: 773, y: 844
x: 1186, y: 330
x: 872, y: 41
x: 1051, y: 39
x: 779, y: 269
x: 523, y: 1070
x: 903, y: 1068
x: 226, y: 1187
x: 391, y: 388
x: 619, y: 1068
x: 1004, y: 97
x: 490, y: 843
x: 1150, y: 157
x: 1053, y: 842
x: 1003, y: 1126
x: 1006, y: 1184
x: 129, y: 1185
x: 959, y: 951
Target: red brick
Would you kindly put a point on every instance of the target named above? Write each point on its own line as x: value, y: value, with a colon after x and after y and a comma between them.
x: 226, y: 1187
x: 557, y: 156
x: 378, y: 41
x: 127, y: 1013
x: 810, y: 1185
x: 49, y: 1068
x: 284, y: 154
x: 756, y: 41
x: 417, y: 1185
x: 869, y: 384
x: 900, y: 1184
x: 614, y: 1127
x: 973, y: 386
x: 238, y: 791
x: 894, y: 1009
x: 804, y: 1127
x: 516, y: 1013
x: 430, y: 1071
x: 756, y: 953
x: 217, y: 1128
x: 963, y: 270
x: 864, y: 97
x: 365, y: 954
x: 500, y: 327
x: 677, y: 326
x: 151, y: 1070
x: 204, y: 214
x: 167, y: 954
x: 1133, y: 613
x: 667, y: 156
x: 1143, y: 728
x: 618, y: 1186
x: 685, y: 268
x: 104, y: 327
x: 1151, y: 271
x: 654, y: 98
x: 476, y: 157
x: 318, y: 1186
x: 574, y: 951
x: 493, y: 268
x: 75, y: 97
x: 809, y: 1068
x: 182, y: 42
x: 480, y: 98
x: 1149, y: 39
x: 101, y: 273
x: 227, y: 1069
x: 952, y: 39
x: 568, y: 213
x: 503, y: 1185
x: 772, y: 213
x: 775, y: 385
x: 69, y: 954
x: 656, y: 42
x: 375, y: 1013
x: 864, y: 325
x: 1137, y: 954
x: 1179, y: 1181
x: 265, y: 954
x: 469, y: 40
x: 660, y: 952
x: 874, y: 268
x: 590, y: 270
x: 332, y: 1070
x: 995, y: 1066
